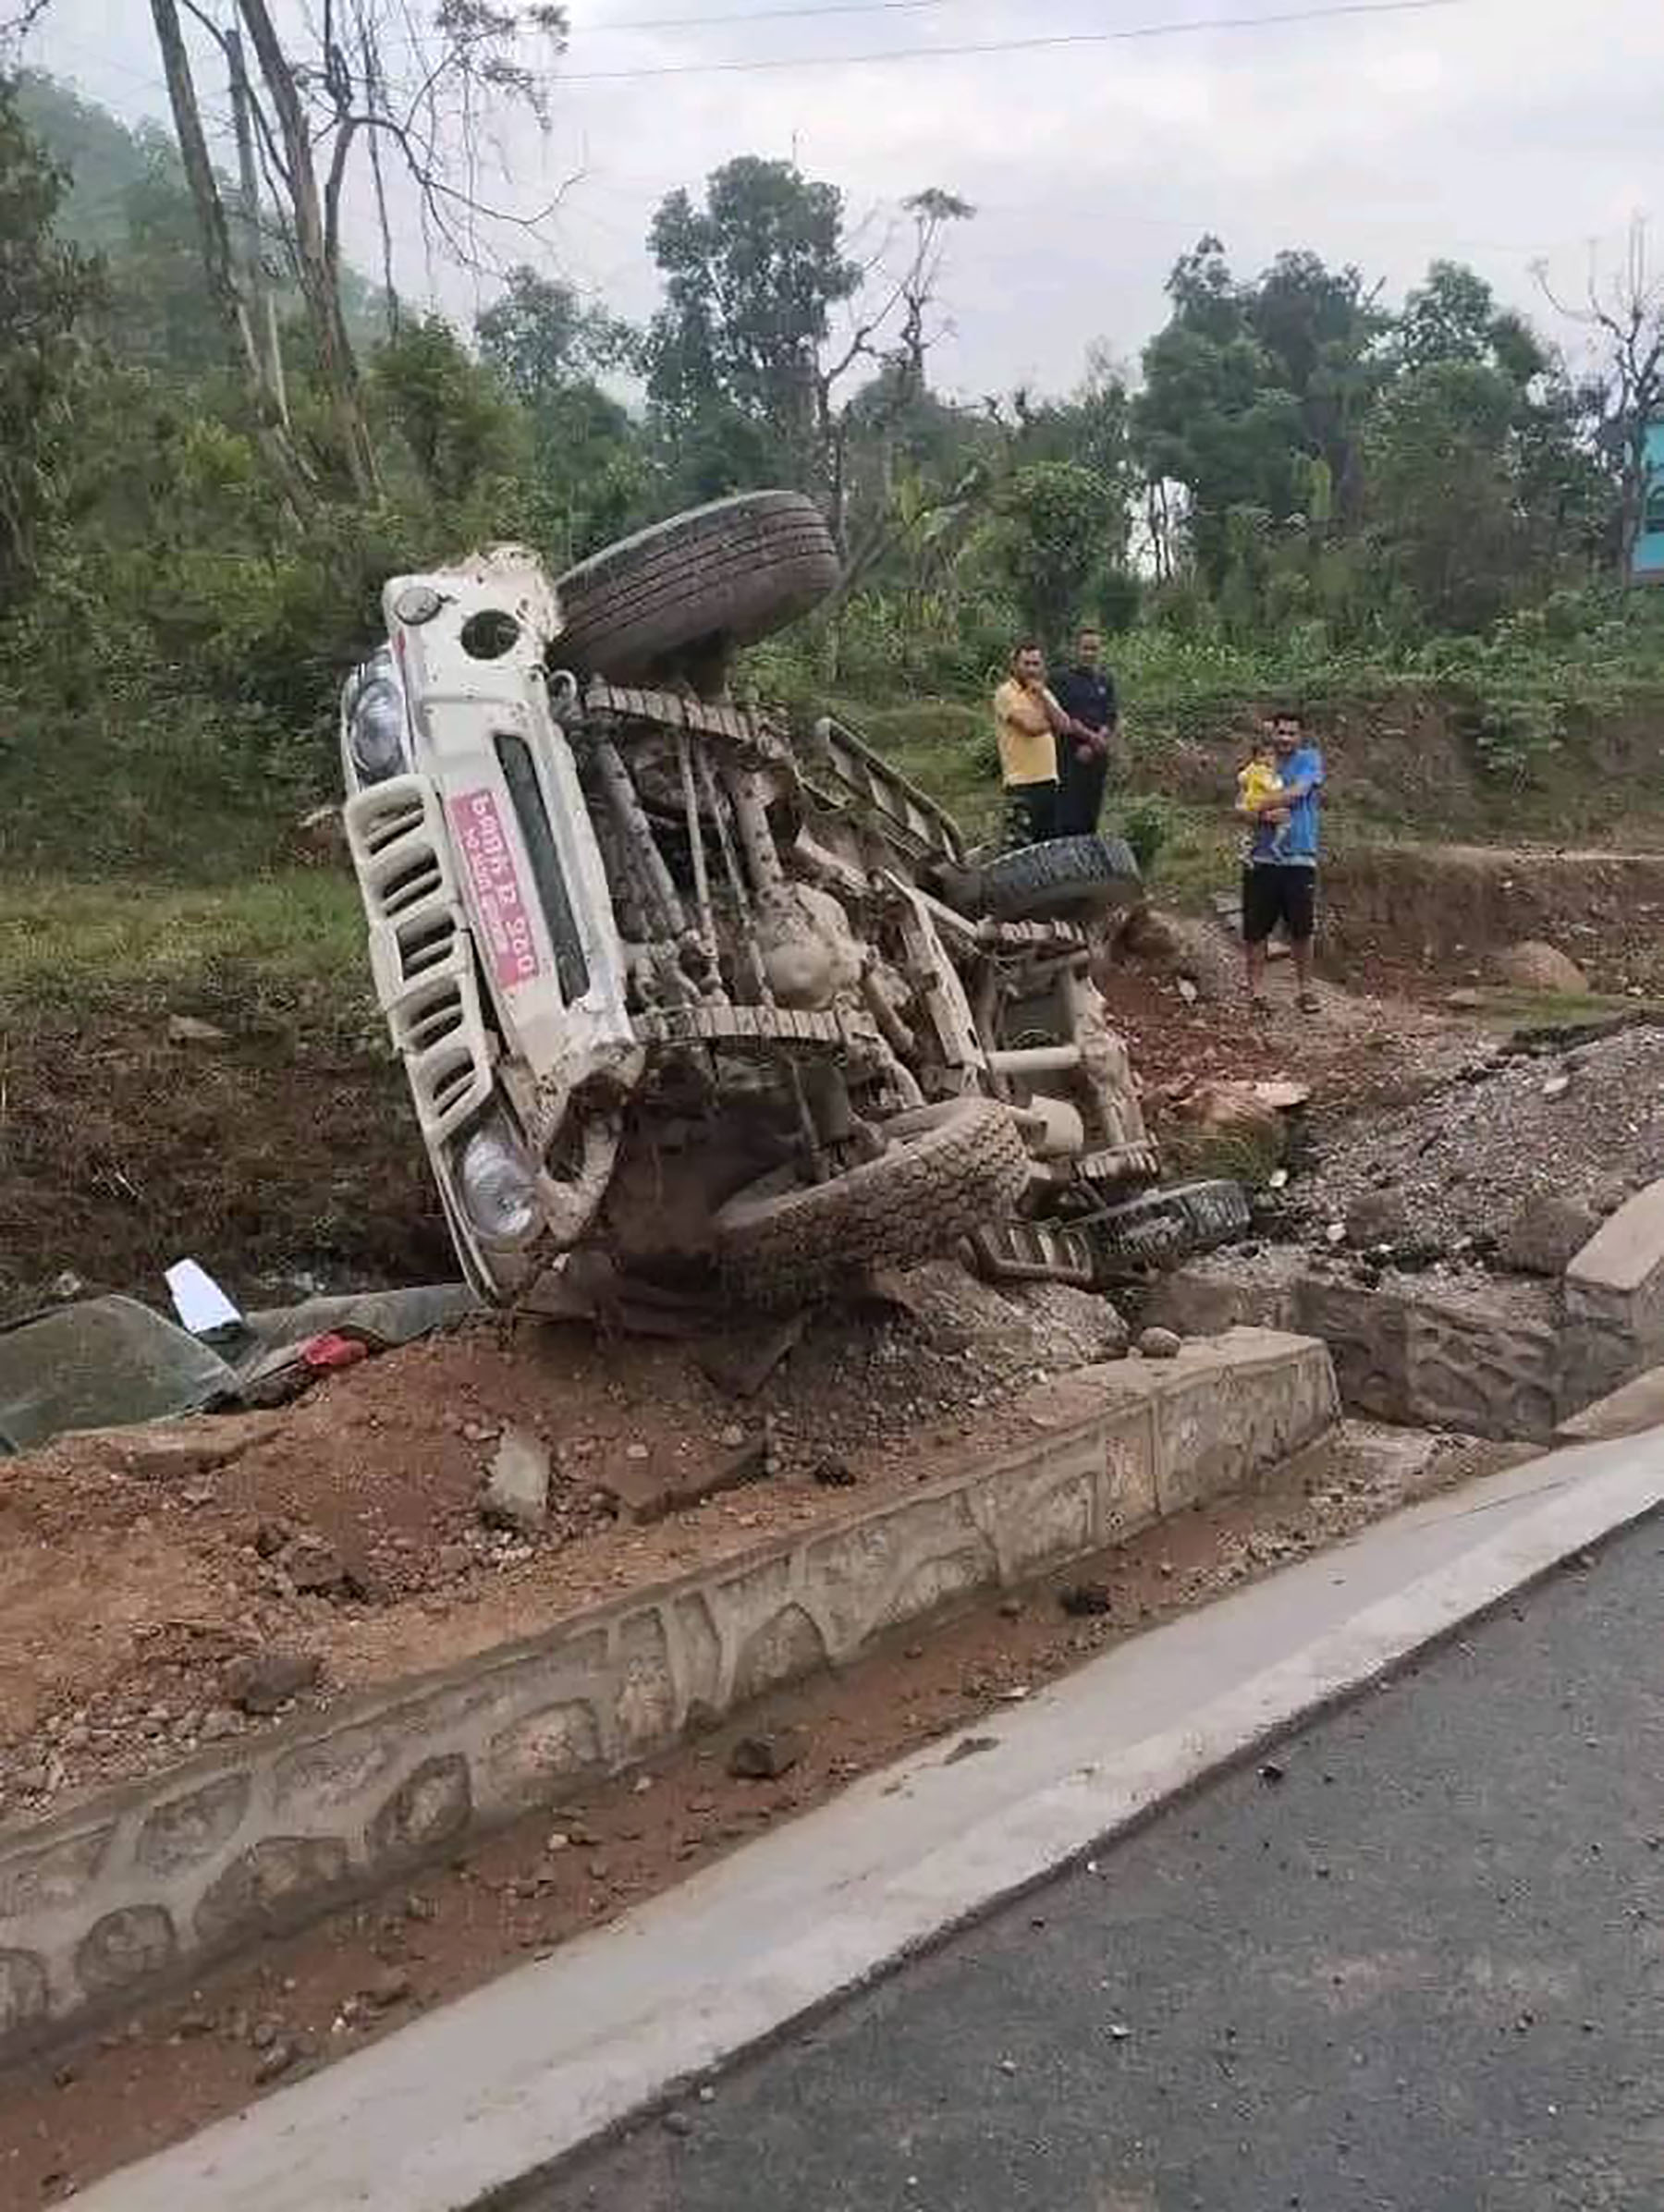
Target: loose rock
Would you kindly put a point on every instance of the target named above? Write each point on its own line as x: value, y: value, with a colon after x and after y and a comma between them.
x: 1160, y: 1344
x: 1547, y: 1234
x: 516, y: 1494
x: 765, y: 1758
x: 187, y: 1029
x: 266, y: 1680
x: 1537, y: 966
x: 1083, y: 1600
x: 277, y: 2060
x: 311, y: 1564
x: 1376, y: 1218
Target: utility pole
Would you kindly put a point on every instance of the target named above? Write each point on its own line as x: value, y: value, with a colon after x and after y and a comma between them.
x: 261, y: 295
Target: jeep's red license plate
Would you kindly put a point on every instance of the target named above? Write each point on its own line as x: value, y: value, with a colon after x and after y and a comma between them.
x: 501, y: 905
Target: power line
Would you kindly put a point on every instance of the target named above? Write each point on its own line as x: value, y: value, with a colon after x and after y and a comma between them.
x: 763, y: 15
x: 1063, y: 38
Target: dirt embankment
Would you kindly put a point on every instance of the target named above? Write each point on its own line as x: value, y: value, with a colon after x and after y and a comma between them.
x: 1449, y: 908
x: 270, y: 1154
x: 138, y: 1586
x: 1408, y: 765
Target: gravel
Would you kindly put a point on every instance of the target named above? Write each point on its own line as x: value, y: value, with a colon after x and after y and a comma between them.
x: 1466, y: 1158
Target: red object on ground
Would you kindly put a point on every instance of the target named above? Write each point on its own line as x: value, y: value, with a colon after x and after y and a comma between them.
x: 331, y: 1351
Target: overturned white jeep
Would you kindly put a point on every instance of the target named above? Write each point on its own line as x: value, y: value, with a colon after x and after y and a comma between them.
x: 728, y: 1007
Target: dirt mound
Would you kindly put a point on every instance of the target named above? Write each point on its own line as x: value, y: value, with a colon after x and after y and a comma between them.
x: 349, y: 1530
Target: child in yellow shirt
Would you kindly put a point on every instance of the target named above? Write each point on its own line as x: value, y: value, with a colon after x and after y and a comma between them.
x: 1259, y: 781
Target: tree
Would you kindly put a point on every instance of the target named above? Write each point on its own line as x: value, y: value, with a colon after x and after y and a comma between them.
x: 420, y: 95
x: 542, y: 338
x: 1059, y: 523
x: 751, y: 280
x: 230, y: 299
x: 744, y: 369
x: 1322, y: 328
x: 1625, y: 318
x: 1453, y: 316
x: 1442, y: 493
x: 1217, y: 414
x: 449, y: 411
x: 588, y: 473
x: 46, y: 287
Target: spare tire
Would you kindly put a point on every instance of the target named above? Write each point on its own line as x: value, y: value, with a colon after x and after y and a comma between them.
x: 947, y: 1170
x: 1064, y: 876
x: 725, y: 574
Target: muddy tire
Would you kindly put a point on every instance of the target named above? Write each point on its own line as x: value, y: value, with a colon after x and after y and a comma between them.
x: 1162, y: 1228
x: 948, y: 1170
x: 716, y: 576
x: 1064, y: 876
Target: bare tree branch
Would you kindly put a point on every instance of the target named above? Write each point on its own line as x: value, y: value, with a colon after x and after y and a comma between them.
x: 1628, y: 316
x: 15, y: 29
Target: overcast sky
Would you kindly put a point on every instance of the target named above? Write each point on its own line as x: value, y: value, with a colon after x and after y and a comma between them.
x: 1496, y: 131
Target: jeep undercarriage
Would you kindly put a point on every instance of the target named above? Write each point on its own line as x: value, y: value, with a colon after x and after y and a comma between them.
x: 667, y: 983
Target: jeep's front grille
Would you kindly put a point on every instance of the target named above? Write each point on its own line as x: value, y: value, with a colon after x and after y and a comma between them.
x: 425, y: 942
x: 411, y: 885
x: 420, y: 950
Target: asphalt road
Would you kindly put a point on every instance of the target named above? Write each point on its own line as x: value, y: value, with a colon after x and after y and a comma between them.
x: 1416, y: 1965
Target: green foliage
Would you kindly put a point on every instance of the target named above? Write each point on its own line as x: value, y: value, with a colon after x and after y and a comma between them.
x: 46, y: 288
x: 751, y: 280
x: 1057, y: 527
x: 449, y: 412
x: 589, y: 478
x: 1145, y: 826
x: 1401, y: 515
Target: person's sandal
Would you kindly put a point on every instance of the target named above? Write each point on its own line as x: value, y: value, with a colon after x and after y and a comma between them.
x: 1310, y: 1003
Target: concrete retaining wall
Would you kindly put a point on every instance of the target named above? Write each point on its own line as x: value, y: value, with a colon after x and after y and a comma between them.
x: 1398, y: 1356
x: 135, y: 1885
x: 1409, y: 1357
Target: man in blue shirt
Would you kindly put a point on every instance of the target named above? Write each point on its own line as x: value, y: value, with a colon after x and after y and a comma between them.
x: 1085, y: 692
x: 1279, y: 871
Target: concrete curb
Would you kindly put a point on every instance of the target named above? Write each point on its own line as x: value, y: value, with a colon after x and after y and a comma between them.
x: 512, y: 2080
x: 122, y: 1892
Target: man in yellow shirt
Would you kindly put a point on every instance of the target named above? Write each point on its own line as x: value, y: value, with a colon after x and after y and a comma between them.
x: 1027, y: 725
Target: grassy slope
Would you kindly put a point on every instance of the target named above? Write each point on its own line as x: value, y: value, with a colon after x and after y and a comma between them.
x: 271, y: 943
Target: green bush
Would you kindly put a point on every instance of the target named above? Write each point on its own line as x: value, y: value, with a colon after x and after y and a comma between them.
x: 1145, y: 826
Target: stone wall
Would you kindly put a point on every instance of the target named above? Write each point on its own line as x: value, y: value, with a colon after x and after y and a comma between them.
x: 1413, y: 1356
x: 138, y: 1884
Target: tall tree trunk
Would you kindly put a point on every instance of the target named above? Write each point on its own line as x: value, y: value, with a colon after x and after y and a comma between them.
x: 263, y: 302
x: 218, y: 264
x: 319, y: 276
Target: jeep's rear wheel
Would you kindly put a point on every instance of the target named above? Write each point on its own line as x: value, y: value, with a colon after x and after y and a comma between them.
x: 704, y: 582
x: 1162, y: 1228
x: 946, y: 1170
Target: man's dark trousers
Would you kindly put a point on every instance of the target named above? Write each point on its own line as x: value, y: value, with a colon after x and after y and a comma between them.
x: 1089, y: 695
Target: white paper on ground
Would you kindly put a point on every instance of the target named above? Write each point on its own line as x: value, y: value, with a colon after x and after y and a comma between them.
x: 199, y: 1302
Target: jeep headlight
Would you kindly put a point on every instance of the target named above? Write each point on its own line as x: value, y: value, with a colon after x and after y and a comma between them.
x: 375, y: 730
x: 499, y: 1183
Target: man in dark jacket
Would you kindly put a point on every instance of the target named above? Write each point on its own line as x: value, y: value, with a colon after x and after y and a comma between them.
x: 1085, y: 690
